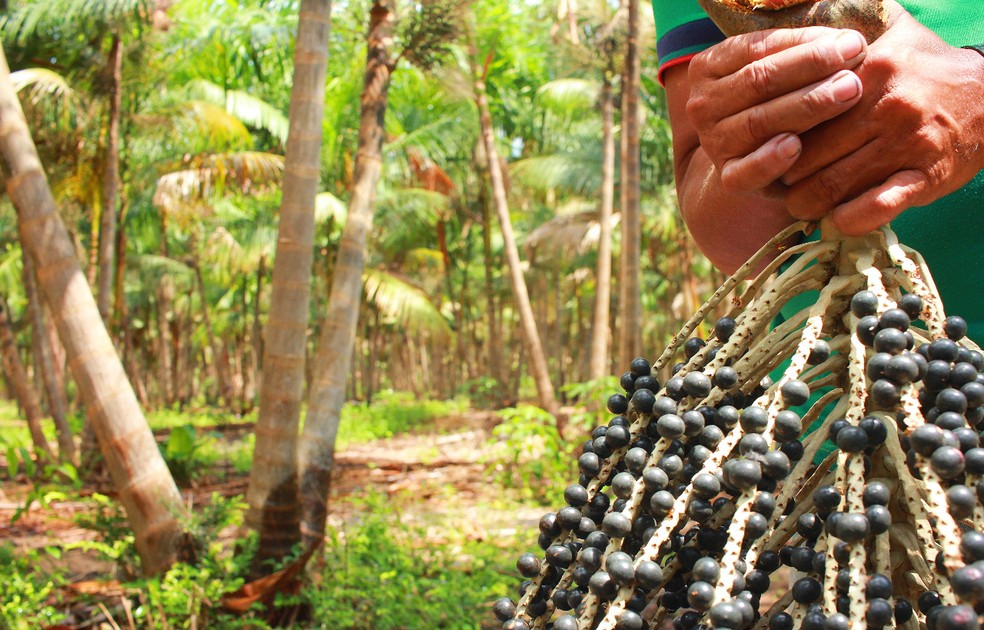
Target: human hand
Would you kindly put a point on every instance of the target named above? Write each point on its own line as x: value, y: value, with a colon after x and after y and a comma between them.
x: 751, y: 95
x: 915, y: 135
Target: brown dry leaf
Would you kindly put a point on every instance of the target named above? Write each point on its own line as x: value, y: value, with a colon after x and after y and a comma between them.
x: 96, y: 587
x: 265, y: 588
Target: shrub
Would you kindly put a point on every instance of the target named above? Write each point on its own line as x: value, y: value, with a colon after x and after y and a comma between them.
x: 381, y: 574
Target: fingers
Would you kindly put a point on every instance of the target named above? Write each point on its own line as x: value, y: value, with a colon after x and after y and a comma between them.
x: 817, y: 195
x: 735, y: 53
x: 763, y: 166
x: 795, y: 112
x: 880, y: 205
x: 788, y: 90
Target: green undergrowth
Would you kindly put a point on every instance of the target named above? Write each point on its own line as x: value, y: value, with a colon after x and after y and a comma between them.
x: 382, y: 573
x: 392, y: 413
x: 375, y: 572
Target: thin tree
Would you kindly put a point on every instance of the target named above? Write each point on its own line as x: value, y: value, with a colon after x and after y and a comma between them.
x: 111, y: 180
x: 424, y: 34
x: 531, y: 336
x: 630, y: 303
x: 19, y: 383
x: 598, y: 364
x: 146, y: 489
x: 54, y: 387
x: 272, y: 493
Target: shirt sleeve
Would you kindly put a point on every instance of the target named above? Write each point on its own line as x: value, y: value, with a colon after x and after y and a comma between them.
x: 682, y: 31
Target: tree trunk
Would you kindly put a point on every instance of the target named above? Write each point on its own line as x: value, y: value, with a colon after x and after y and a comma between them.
x: 600, y: 325
x: 273, y: 490
x: 630, y: 303
x: 220, y: 360
x: 494, y: 338
x: 111, y: 182
x: 147, y: 491
x: 531, y: 337
x: 335, y: 343
x: 53, y: 388
x: 20, y: 384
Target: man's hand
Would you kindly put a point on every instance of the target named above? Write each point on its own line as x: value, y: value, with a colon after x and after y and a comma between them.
x: 915, y: 135
x: 752, y: 95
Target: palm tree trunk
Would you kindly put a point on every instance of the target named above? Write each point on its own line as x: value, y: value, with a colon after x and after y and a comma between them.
x: 20, y: 384
x: 273, y: 495
x: 493, y: 337
x: 337, y: 339
x: 600, y: 325
x: 531, y: 337
x: 53, y: 388
x: 111, y: 182
x: 630, y: 303
x: 152, y: 502
x: 220, y: 359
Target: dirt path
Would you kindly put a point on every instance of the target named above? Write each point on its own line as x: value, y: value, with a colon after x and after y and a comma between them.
x: 439, y: 479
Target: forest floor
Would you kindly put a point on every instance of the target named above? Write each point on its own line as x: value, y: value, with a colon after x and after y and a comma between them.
x: 436, y: 480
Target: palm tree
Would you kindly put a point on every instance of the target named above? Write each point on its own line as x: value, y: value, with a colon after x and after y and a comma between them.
x: 146, y: 488
x: 630, y: 295
x: 531, y: 337
x: 272, y: 491
x: 333, y: 356
x: 598, y: 364
x: 424, y: 35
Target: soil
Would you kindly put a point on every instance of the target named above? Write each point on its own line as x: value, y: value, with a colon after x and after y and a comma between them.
x: 419, y: 471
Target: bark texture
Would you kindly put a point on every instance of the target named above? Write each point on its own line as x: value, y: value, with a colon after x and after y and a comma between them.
x: 333, y: 357
x: 601, y: 321
x: 144, y: 484
x: 630, y: 303
x: 111, y: 183
x: 272, y: 495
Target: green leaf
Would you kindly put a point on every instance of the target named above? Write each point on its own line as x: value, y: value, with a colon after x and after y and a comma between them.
x: 181, y: 442
x: 13, y: 461
x: 30, y: 468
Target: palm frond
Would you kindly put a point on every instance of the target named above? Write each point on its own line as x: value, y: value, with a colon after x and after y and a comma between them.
x: 575, y: 172
x: 46, y: 86
x: 564, y: 232
x: 217, y: 127
x: 249, y: 109
x: 27, y: 19
x: 157, y: 266
x: 569, y: 94
x: 439, y: 138
x: 329, y: 207
x: 403, y: 303
x: 209, y: 174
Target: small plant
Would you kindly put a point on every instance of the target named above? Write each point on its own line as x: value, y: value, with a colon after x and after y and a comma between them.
x: 44, y: 488
x: 528, y: 452
x: 115, y: 542
x: 589, y: 396
x: 379, y: 574
x: 188, y: 454
x: 24, y: 592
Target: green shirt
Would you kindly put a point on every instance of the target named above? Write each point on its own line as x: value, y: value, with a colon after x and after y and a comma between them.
x: 949, y: 233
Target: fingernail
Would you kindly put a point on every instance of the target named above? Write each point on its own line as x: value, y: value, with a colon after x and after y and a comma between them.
x: 789, y: 147
x: 849, y: 45
x: 845, y: 87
